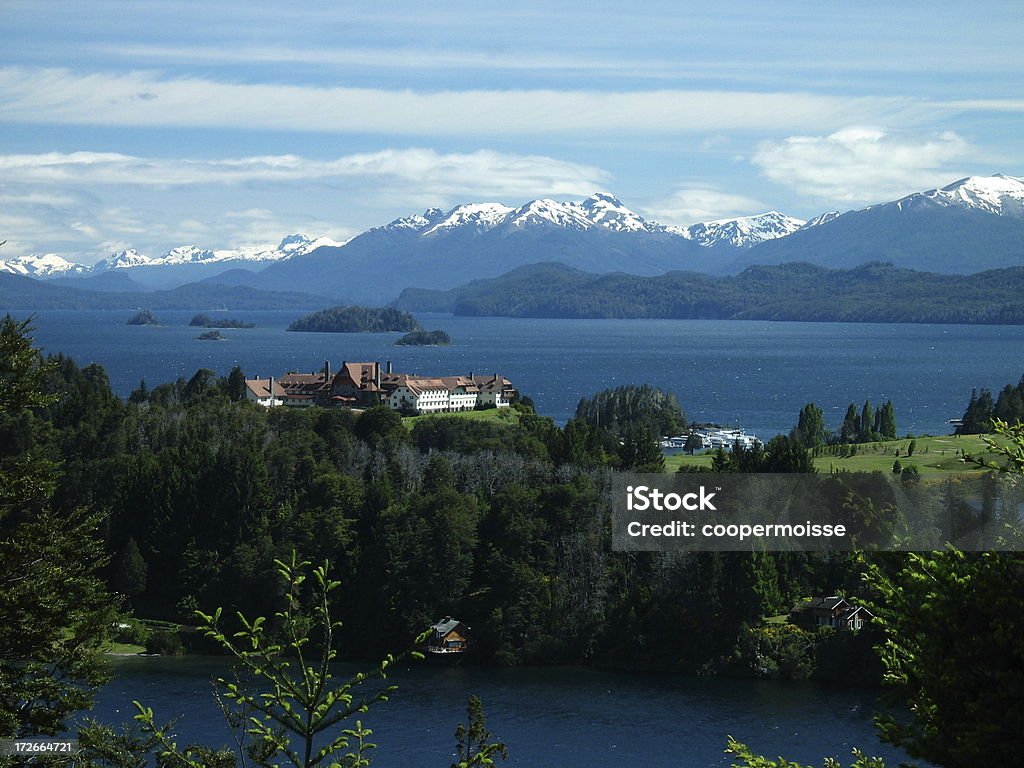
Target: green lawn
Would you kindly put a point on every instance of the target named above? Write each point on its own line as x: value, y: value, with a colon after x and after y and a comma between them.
x: 506, y: 415
x: 933, y: 456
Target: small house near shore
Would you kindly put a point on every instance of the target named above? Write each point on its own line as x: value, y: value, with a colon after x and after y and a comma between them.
x: 448, y: 637
x: 833, y: 611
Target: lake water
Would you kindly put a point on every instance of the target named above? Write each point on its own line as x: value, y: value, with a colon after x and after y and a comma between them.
x: 549, y: 718
x: 752, y: 373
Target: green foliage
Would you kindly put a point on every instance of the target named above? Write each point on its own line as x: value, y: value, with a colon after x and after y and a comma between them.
x: 54, y: 610
x: 810, y: 428
x: 356, y: 320
x: 780, y: 651
x: 781, y: 454
x: 165, y: 642
x: 424, y: 339
x: 617, y: 410
x: 473, y: 742
x: 953, y: 652
x: 982, y: 411
x: 750, y: 760
x: 305, y: 703
x: 129, y: 569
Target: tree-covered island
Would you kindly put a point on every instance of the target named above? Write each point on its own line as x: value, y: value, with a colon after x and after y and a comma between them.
x: 205, y: 321
x: 424, y: 339
x: 143, y: 317
x: 357, y: 320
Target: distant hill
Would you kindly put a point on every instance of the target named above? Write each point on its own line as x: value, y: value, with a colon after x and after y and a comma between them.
x: 873, y: 292
x: 17, y: 292
x: 107, y: 282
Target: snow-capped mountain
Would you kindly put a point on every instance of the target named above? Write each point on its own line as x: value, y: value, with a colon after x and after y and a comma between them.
x: 743, y: 231
x: 47, y: 265
x: 122, y: 260
x: 599, y: 210
x: 999, y: 194
x: 480, y: 216
x: 289, y: 247
x: 971, y: 225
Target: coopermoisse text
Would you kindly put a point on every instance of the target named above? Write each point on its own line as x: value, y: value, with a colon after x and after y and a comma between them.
x: 791, y: 512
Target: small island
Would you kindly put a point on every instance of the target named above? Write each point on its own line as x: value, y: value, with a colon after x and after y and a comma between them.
x: 357, y: 320
x: 424, y: 339
x: 205, y: 321
x: 145, y: 317
x: 212, y: 336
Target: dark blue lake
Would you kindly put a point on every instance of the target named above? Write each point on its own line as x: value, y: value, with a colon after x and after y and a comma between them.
x: 753, y: 373
x: 549, y: 718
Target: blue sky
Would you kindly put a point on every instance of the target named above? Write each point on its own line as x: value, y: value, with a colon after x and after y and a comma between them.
x: 162, y: 123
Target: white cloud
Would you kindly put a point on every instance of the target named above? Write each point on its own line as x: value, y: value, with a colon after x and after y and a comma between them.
x: 690, y: 205
x: 480, y: 173
x: 61, y: 96
x: 862, y: 164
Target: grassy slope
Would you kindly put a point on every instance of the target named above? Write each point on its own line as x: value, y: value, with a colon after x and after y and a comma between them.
x: 506, y: 415
x: 933, y: 456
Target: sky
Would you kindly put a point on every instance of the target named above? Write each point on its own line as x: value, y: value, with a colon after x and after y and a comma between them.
x: 162, y: 123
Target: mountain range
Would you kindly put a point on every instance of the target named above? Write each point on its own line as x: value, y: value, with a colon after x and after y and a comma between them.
x: 175, y: 261
x: 974, y: 224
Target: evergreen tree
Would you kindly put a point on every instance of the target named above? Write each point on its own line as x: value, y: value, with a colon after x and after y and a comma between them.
x: 129, y: 571
x: 810, y: 427
x: 236, y: 384
x: 887, y: 421
x: 54, y: 611
x: 867, y: 418
x: 978, y: 416
x: 851, y: 426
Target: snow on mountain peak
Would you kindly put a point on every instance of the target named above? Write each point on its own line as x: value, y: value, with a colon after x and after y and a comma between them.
x: 743, y: 231
x: 122, y: 260
x: 186, y: 254
x: 996, y: 194
x: 546, y: 212
x: 821, y: 218
x: 482, y: 216
x: 47, y: 265
x: 417, y: 222
x: 609, y: 212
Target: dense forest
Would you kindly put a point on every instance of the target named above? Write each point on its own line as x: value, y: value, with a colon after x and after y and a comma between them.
x: 500, y: 522
x: 186, y: 497
x: 873, y: 292
x: 356, y: 320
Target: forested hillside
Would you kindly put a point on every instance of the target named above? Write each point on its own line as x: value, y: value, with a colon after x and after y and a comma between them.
x: 872, y: 292
x: 500, y: 523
